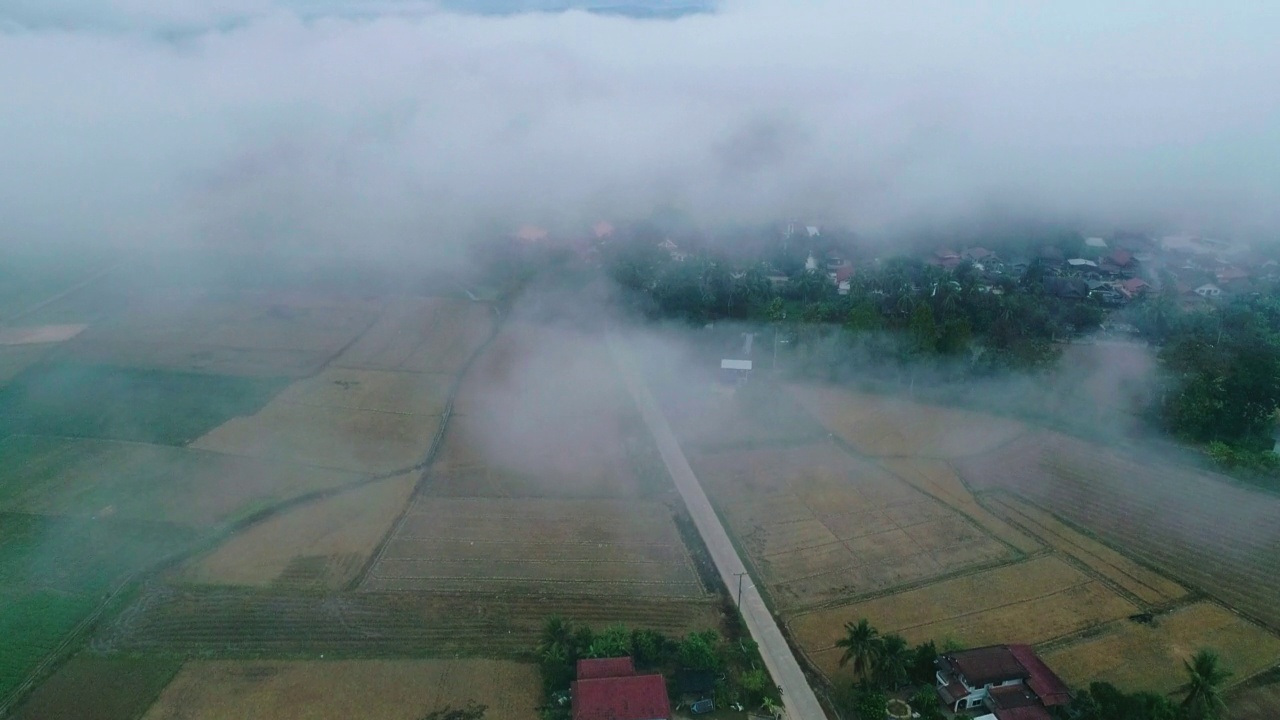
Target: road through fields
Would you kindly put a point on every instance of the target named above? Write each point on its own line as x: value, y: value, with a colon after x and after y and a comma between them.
x: 798, y: 698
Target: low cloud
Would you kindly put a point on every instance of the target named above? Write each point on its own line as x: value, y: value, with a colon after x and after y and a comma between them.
x: 393, y: 127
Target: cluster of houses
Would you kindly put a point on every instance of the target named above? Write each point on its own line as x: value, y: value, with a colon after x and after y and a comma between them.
x: 1112, y: 271
x: 999, y: 682
x: 1117, y: 271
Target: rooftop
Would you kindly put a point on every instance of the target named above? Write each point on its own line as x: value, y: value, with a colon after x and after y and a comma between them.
x: 638, y: 697
x: 605, y: 668
x: 980, y: 666
x: 1044, y: 682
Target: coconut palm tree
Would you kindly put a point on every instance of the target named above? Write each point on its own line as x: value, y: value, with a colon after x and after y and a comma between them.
x: 557, y: 634
x: 861, y: 645
x: 892, y: 661
x: 1204, y: 687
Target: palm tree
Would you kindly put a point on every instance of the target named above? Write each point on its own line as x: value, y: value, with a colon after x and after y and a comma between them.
x: 557, y: 635
x: 892, y: 661
x: 861, y: 645
x: 1204, y: 686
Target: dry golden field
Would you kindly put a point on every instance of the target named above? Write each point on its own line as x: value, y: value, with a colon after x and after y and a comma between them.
x: 320, y: 545
x: 327, y: 437
x: 822, y: 525
x: 1144, y: 584
x: 1027, y: 602
x: 428, y: 335
x: 542, y: 413
x: 937, y: 478
x: 1208, y: 532
x: 1135, y: 656
x: 882, y: 426
x: 344, y: 689
x: 526, y: 545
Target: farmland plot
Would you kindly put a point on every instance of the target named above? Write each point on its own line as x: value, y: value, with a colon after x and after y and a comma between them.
x: 245, y: 333
x: 551, y: 546
x: 543, y: 414
x: 342, y: 689
x: 116, y: 403
x: 131, y: 481
x: 821, y: 525
x: 1150, y: 657
x: 937, y: 478
x: 92, y: 688
x: 1027, y: 602
x: 1205, y: 531
x: 1145, y: 584
x: 432, y: 335
x: 238, y: 622
x: 322, y: 544
x: 882, y: 426
x: 357, y: 420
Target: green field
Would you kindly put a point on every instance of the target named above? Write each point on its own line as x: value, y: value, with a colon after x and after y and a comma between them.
x: 142, y: 405
x: 55, y: 571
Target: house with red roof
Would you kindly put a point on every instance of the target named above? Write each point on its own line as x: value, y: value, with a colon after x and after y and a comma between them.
x: 610, y: 689
x: 1009, y: 681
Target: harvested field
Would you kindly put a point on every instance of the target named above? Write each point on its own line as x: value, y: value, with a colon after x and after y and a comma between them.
x: 132, y: 481
x: 937, y: 478
x: 229, y: 333
x: 1144, y: 584
x: 93, y: 688
x: 381, y: 391
x: 39, y: 334
x: 1027, y: 602
x: 432, y: 335
x: 821, y: 525
x: 551, y: 546
x: 126, y: 404
x: 1256, y: 701
x: 883, y: 426
x: 343, y: 689
x: 754, y: 415
x: 232, y: 622
x: 322, y: 545
x: 1135, y: 657
x: 1206, y: 531
x: 543, y: 414
x: 327, y: 437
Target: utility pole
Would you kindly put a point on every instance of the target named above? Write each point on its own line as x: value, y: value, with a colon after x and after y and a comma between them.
x: 740, y: 576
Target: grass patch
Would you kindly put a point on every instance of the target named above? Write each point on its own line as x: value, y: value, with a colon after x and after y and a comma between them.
x: 32, y: 624
x: 142, y: 405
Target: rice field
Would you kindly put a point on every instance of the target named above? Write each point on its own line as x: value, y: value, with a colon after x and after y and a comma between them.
x: 1027, y: 602
x: 320, y: 545
x: 342, y: 689
x: 821, y: 525
x: 1135, y: 656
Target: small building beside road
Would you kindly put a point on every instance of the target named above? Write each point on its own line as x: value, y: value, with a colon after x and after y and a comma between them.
x: 610, y: 689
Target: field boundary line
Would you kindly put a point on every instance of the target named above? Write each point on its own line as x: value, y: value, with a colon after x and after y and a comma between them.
x: 837, y: 603
x: 1140, y: 562
x: 1017, y: 517
x: 381, y: 548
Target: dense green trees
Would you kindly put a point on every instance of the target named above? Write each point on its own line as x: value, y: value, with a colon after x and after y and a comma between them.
x: 736, y: 664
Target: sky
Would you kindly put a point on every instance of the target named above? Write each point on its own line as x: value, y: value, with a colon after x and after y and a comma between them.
x: 388, y: 126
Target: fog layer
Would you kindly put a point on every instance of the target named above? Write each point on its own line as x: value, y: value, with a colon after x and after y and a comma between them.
x: 402, y: 128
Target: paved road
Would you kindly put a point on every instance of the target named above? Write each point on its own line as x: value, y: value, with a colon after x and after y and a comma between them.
x: 797, y: 696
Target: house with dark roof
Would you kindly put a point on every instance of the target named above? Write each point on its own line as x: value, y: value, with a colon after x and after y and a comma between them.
x: 610, y: 689
x: 1010, y: 681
